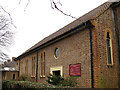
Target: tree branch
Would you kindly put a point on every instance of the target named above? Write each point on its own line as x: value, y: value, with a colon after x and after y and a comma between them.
x: 11, y: 21
x: 54, y: 6
x: 26, y: 5
x: 3, y: 56
x: 3, y: 26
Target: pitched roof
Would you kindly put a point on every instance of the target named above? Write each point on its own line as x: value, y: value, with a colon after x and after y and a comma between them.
x: 9, y: 64
x: 90, y: 15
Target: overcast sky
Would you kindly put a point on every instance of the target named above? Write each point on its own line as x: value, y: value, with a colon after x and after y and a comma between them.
x: 40, y: 20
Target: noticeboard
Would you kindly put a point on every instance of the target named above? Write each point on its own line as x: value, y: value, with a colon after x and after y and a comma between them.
x: 75, y: 69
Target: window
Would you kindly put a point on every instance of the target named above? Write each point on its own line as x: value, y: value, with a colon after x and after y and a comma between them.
x: 109, y: 49
x: 42, y: 70
x: 44, y: 65
x: 41, y: 65
x: 26, y: 67
x: 33, y: 66
x: 56, y: 53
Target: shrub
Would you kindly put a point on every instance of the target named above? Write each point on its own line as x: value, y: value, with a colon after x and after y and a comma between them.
x: 24, y: 84
x: 54, y: 80
x: 24, y: 77
x: 69, y: 81
x: 5, y: 84
x: 60, y: 81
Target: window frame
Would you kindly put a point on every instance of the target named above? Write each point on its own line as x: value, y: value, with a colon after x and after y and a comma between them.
x: 42, y: 64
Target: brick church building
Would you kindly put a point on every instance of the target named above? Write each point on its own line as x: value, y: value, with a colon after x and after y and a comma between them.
x: 88, y: 48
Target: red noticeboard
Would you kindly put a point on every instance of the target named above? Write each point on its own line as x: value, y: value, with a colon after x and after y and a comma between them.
x: 75, y: 69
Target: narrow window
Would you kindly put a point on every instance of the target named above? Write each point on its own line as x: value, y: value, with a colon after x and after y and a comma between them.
x: 44, y: 64
x: 109, y: 49
x: 26, y: 67
x: 21, y: 66
x: 41, y: 64
x: 33, y: 66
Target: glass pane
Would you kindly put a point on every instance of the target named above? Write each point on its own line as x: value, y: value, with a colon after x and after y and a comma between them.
x: 56, y: 52
x: 109, y: 55
x: 41, y: 63
x: 32, y: 66
x: 109, y: 49
x: 44, y: 63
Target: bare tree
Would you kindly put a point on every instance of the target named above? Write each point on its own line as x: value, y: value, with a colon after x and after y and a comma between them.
x: 6, y: 33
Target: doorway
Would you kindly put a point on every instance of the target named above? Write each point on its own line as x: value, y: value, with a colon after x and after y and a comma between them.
x: 13, y: 76
x: 56, y: 73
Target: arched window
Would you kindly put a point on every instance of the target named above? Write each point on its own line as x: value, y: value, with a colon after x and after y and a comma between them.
x: 109, y: 49
x: 42, y: 69
x: 26, y: 67
x: 41, y: 64
x: 44, y: 65
x: 33, y: 66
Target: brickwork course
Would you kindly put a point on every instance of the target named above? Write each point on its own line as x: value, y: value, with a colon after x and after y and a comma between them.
x: 82, y: 41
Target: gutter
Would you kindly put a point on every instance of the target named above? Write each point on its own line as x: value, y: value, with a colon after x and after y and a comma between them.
x: 91, y: 55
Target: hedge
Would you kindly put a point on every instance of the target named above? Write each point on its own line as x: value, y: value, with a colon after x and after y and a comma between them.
x: 24, y: 84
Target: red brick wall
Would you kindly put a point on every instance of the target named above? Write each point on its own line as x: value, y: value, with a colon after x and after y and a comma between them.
x: 105, y: 76
x: 72, y: 50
